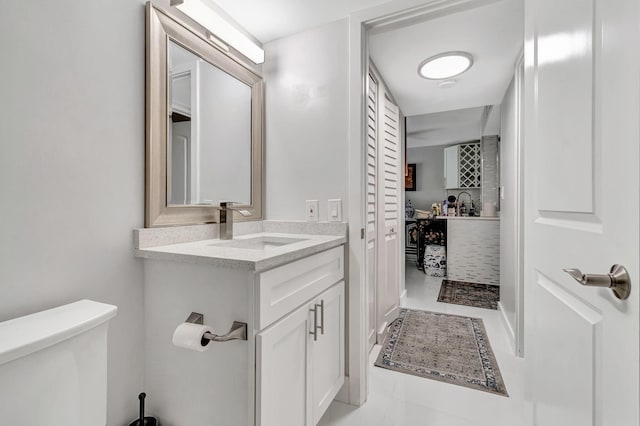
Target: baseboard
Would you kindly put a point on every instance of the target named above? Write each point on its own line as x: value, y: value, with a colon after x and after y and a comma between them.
x: 374, y: 352
x: 382, y: 333
x: 343, y: 393
x: 507, y: 326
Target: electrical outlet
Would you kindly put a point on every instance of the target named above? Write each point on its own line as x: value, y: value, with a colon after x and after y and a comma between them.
x: 334, y: 209
x: 311, y: 210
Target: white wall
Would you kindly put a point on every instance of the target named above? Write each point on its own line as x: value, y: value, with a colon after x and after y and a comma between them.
x: 306, y: 78
x: 492, y: 124
x: 508, y: 206
x: 72, y: 169
x: 224, y: 137
x: 429, y: 162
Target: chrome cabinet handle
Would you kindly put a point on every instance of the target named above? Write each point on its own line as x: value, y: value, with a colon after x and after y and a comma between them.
x: 314, y: 333
x: 321, y: 305
x: 617, y: 280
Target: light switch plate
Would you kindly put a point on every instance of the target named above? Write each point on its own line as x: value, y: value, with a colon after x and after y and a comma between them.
x: 311, y: 213
x: 334, y: 209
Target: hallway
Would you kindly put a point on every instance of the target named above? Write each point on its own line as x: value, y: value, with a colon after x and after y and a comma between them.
x: 397, y: 399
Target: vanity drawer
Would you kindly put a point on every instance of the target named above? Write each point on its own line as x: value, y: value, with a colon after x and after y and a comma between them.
x: 283, y: 289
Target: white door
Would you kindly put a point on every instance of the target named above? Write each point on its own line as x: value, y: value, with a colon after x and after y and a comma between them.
x: 327, y: 351
x: 581, y: 201
x: 179, y: 192
x: 282, y: 371
x: 372, y: 229
x: 389, y: 186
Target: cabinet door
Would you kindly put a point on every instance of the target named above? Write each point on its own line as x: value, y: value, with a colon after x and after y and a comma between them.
x: 469, y: 165
x: 451, y: 174
x: 282, y: 371
x: 327, y: 352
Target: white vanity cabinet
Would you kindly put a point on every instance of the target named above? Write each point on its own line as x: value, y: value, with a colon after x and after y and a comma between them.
x: 300, y: 362
x: 291, y: 366
x: 300, y: 343
x: 328, y: 351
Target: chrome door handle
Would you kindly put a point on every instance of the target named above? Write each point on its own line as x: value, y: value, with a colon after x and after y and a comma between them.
x: 321, y: 305
x: 617, y: 280
x: 314, y: 333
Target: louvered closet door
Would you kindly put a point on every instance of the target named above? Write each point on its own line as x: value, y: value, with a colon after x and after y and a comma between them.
x: 371, y: 229
x: 388, y: 295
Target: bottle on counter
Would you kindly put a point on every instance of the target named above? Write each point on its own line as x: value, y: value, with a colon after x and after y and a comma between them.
x: 445, y: 208
x: 451, y: 202
x: 472, y: 209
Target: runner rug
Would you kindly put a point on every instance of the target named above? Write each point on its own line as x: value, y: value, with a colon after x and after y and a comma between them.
x: 469, y: 294
x: 448, y: 348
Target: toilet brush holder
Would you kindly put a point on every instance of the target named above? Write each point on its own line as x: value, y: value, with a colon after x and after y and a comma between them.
x: 142, y: 420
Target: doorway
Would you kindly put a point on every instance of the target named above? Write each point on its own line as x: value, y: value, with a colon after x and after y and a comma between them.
x: 374, y: 24
x: 462, y: 151
x: 593, y: 60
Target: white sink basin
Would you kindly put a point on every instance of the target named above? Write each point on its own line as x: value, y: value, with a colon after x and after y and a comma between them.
x: 258, y: 243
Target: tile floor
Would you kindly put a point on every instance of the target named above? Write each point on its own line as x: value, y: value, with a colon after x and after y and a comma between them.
x: 397, y: 399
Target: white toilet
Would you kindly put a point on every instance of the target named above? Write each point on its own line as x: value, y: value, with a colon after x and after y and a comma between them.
x: 53, y: 366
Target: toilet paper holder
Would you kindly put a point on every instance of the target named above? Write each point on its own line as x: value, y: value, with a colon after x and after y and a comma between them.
x: 238, y: 330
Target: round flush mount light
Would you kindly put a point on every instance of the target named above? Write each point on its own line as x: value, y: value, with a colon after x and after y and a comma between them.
x: 445, y: 65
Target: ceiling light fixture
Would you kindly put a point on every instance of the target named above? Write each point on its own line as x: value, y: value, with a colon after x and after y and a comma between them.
x: 203, y: 12
x: 445, y: 65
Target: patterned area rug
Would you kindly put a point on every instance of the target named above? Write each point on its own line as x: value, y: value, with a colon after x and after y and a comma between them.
x: 448, y: 348
x: 469, y: 294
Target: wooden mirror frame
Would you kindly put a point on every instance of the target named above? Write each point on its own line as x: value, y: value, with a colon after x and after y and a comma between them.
x: 160, y: 27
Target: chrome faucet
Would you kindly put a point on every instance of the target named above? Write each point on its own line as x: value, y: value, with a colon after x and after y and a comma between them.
x: 226, y: 218
x: 460, y: 202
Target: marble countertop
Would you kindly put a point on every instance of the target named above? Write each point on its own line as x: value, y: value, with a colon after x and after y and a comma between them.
x: 219, y: 252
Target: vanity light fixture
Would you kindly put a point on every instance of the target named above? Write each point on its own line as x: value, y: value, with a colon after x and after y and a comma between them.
x: 445, y: 65
x: 204, y: 12
x: 219, y: 44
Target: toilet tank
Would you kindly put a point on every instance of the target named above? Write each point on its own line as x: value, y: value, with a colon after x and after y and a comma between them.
x: 53, y: 366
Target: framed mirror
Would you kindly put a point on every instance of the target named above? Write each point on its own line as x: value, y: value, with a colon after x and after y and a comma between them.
x: 204, y: 127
